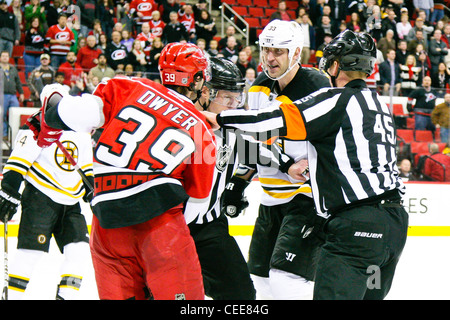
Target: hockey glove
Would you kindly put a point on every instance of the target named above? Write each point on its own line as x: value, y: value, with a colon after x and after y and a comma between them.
x: 9, y: 201
x: 233, y: 201
x: 88, y: 191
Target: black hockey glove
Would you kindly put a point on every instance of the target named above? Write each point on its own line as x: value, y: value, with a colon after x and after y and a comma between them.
x: 9, y: 201
x: 233, y: 202
x: 88, y: 191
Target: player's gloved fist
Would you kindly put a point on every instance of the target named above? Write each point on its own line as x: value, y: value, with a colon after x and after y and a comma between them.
x: 9, y: 201
x: 233, y: 201
x: 43, y: 134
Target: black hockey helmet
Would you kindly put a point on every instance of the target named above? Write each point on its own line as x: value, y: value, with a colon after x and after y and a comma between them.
x: 225, y: 75
x: 353, y: 51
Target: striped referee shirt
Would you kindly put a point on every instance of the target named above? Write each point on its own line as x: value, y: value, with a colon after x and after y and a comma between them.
x: 352, y: 152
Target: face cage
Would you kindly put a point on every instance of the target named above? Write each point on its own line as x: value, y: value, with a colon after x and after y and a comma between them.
x: 239, y: 101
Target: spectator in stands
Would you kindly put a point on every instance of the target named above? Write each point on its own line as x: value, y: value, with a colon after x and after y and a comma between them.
x: 229, y: 31
x: 402, y: 52
x: 59, y: 78
x: 88, y: 11
x: 60, y: 39
x: 142, y: 10
x: 105, y: 13
x: 205, y: 27
x: 338, y: 9
x: 16, y: 9
x: 11, y: 86
x: 319, y: 52
x: 387, y: 43
x: 102, y: 42
x: 9, y: 29
x: 423, y: 64
x: 146, y: 38
x: 156, y: 24
x: 409, y: 73
x: 40, y: 77
x: 71, y: 69
x: 116, y: 53
x: 440, y: 80
x: 155, y: 53
x: 438, y: 167
x: 34, y: 46
x: 325, y: 27
x: 166, y: 8
x: 419, y: 39
x: 127, y: 40
x: 87, y: 56
x: 403, y: 27
x: 355, y: 23
x: 102, y: 70
x: 230, y: 52
x: 440, y: 116
x: 34, y: 9
x: 425, y: 5
x: 390, y: 23
x: 212, y: 50
x: 96, y: 30
x: 406, y: 174
x: 419, y: 25
x: 242, y: 63
x: 174, y: 31
x: 437, y: 50
x: 281, y: 13
x: 309, y: 39
x: 425, y: 101
x: 137, y: 57
x: 446, y: 35
x: 390, y: 74
x: 186, y: 17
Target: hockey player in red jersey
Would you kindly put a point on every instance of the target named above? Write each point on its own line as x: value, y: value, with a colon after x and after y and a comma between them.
x: 154, y: 153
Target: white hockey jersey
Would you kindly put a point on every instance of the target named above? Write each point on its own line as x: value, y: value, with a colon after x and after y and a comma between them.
x: 48, y: 169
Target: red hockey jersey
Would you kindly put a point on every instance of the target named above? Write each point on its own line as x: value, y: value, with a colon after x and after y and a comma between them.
x: 145, y: 7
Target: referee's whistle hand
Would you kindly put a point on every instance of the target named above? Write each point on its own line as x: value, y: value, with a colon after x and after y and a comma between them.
x: 299, y: 170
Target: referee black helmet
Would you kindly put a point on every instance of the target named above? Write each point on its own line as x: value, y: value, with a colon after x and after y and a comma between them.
x: 225, y: 75
x: 353, y: 51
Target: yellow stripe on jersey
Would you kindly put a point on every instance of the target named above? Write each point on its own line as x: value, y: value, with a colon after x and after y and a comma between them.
x: 287, y: 195
x: 272, y: 181
x: 262, y: 89
x: 51, y: 187
x: 44, y: 172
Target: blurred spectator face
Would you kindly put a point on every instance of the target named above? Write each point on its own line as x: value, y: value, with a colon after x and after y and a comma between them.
x: 447, y: 29
x: 231, y: 42
x: 102, y: 60
x: 426, y: 83
x: 419, y: 35
x: 213, y: 44
x: 391, y: 55
x: 405, y: 166
x: 173, y: 16
x: 402, y: 45
x: 156, y: 15
x: 447, y: 98
x: 62, y: 21
x: 188, y: 9
x: 115, y: 36
x: 71, y: 57
x: 145, y: 28
x: 4, y: 58
x: 437, y: 34
x: 282, y: 6
x: 230, y: 31
x: 243, y: 57
x: 250, y: 74
x: 59, y: 78
x: 90, y: 41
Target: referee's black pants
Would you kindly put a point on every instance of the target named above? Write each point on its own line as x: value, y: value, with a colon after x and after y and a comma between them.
x: 362, y: 248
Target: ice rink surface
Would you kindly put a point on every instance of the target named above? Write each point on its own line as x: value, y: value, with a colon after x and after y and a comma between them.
x: 422, y: 274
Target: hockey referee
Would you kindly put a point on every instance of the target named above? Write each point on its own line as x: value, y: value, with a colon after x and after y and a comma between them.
x: 353, y: 172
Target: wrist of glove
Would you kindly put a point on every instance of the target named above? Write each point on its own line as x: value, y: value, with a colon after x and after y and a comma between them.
x: 233, y: 201
x: 44, y: 135
x: 9, y: 201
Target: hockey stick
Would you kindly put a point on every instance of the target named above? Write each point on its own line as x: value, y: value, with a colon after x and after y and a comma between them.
x: 5, y: 259
x: 74, y: 163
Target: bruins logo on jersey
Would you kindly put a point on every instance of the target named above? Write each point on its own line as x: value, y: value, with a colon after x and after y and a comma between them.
x: 61, y: 160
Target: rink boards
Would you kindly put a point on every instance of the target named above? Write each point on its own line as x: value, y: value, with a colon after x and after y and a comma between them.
x: 426, y: 203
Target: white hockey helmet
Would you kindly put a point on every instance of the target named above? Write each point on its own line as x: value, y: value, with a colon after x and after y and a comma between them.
x: 283, y: 35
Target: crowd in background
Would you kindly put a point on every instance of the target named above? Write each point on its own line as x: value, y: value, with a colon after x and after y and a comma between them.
x: 79, y: 43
